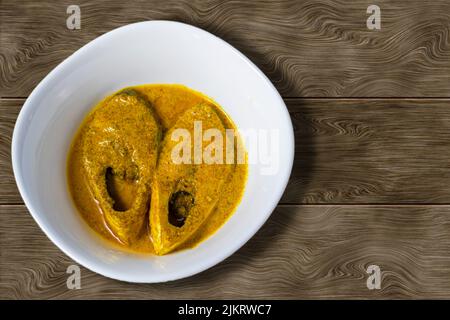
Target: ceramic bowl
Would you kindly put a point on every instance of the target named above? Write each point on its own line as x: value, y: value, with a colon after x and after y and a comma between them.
x: 143, y: 53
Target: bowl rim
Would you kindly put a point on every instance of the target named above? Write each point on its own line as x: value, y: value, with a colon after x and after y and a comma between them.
x: 19, y: 135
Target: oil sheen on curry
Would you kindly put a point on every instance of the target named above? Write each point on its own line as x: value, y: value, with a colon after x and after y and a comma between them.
x: 147, y: 171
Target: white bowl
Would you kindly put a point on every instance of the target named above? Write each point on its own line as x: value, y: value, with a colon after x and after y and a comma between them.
x: 146, y: 52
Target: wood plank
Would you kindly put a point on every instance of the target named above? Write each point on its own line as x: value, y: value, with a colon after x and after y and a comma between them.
x: 370, y: 151
x: 307, y: 48
x: 301, y: 252
x: 347, y: 151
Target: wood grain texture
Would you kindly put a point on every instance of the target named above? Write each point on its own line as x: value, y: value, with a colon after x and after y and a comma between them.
x: 308, y: 48
x: 370, y: 183
x: 370, y: 151
x: 347, y: 151
x: 9, y: 110
x: 302, y: 252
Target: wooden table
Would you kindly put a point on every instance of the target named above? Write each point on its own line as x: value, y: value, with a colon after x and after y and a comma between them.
x: 371, y: 178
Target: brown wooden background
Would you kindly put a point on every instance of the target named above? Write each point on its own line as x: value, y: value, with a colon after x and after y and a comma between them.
x: 371, y: 179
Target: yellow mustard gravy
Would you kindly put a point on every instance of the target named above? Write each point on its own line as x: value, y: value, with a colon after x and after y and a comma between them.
x: 123, y: 184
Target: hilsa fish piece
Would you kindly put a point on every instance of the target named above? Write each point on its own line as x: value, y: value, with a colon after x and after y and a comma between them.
x: 120, y: 151
x: 185, y: 194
